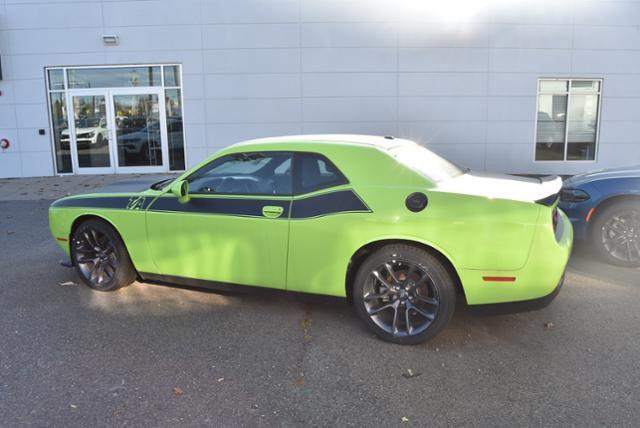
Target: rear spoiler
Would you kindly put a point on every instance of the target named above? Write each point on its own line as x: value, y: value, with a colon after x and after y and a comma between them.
x: 549, y: 200
x: 554, y: 183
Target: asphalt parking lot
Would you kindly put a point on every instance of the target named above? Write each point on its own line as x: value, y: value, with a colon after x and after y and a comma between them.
x: 161, y: 356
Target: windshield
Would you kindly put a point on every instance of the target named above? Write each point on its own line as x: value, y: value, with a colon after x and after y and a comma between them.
x: 425, y: 162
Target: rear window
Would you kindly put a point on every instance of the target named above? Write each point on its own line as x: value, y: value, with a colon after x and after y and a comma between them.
x: 425, y: 162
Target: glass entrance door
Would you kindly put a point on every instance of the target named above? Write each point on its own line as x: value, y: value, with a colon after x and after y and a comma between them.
x: 139, y: 131
x: 118, y: 131
x: 90, y: 133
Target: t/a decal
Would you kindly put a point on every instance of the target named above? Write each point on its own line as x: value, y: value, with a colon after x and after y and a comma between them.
x: 136, y: 203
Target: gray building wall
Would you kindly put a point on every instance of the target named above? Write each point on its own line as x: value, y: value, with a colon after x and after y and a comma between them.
x: 460, y: 78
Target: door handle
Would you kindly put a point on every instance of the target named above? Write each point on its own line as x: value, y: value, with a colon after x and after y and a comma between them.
x: 272, y: 211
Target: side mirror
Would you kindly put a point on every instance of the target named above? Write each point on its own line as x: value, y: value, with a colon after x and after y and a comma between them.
x: 181, y: 190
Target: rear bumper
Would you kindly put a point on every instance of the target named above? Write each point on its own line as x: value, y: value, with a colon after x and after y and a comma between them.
x: 521, y: 306
x: 537, y: 279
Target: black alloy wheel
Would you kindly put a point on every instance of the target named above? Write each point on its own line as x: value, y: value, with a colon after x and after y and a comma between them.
x: 616, y: 234
x: 404, y: 294
x: 100, y: 256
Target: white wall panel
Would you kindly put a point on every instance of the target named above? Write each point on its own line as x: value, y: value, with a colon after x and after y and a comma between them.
x: 344, y: 109
x: 605, y: 61
x: 10, y: 165
x: 252, y: 61
x: 157, y: 38
x: 219, y: 135
x: 619, y: 154
x: 196, y: 135
x: 53, y: 15
x: 29, y: 91
x: 252, y: 85
x: 31, y: 141
x: 621, y: 85
x: 619, y: 132
x: 442, y: 84
x: 36, y: 164
x: 325, y: 35
x: 444, y: 132
x: 251, y: 36
x: 442, y: 108
x: 547, y: 61
x: 443, y: 59
x: 466, y: 155
x: 249, y: 11
x: 607, y: 37
x: 156, y: 12
x: 349, y: 84
x: 32, y: 115
x: 32, y: 66
x: 511, y: 108
x: 349, y: 10
x: 511, y: 132
x: 464, y: 36
x: 249, y: 111
x: 349, y: 60
x: 531, y: 36
x: 367, y: 128
x: 7, y: 116
x: 607, y: 13
x: 616, y: 109
x: 58, y: 40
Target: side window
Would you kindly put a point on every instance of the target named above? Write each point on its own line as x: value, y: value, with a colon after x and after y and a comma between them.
x: 267, y: 173
x: 315, y: 172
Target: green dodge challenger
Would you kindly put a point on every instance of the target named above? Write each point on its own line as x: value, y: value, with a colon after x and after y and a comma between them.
x: 398, y: 230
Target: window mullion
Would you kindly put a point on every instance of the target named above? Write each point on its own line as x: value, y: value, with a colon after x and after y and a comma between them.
x: 566, y: 122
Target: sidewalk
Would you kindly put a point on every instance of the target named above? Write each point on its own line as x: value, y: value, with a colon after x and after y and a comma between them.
x: 49, y: 188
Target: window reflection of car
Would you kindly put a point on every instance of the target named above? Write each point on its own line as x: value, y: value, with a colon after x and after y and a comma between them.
x: 140, y: 141
x: 148, y: 138
x: 90, y: 132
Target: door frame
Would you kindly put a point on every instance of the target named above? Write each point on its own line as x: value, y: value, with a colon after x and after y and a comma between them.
x: 72, y: 131
x: 159, y: 91
x: 109, y: 94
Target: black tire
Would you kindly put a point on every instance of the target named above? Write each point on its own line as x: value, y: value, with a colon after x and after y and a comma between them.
x: 424, y: 287
x: 615, y: 233
x: 100, y: 257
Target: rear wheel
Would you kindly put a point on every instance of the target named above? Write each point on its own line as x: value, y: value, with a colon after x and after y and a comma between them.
x: 404, y: 294
x: 100, y: 257
x: 615, y: 233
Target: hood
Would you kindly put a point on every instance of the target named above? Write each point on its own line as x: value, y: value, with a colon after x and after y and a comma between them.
x: 127, y: 186
x: 604, y: 174
x: 502, y: 186
x: 83, y: 130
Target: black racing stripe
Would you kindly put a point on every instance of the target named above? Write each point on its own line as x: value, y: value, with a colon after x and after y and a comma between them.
x: 117, y: 202
x: 328, y: 203
x: 225, y: 206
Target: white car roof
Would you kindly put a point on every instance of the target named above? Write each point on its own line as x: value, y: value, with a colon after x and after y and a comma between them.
x: 384, y: 143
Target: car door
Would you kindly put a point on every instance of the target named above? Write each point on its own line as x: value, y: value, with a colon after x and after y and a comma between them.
x: 234, y: 228
x: 326, y: 213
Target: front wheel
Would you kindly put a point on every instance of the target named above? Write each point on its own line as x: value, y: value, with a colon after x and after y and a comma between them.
x: 100, y: 257
x: 615, y: 233
x: 404, y: 294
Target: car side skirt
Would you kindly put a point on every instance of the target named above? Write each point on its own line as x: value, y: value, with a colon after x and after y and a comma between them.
x: 231, y: 288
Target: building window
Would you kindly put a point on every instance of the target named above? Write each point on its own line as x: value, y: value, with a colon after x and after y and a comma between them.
x: 59, y: 122
x: 117, y: 118
x: 567, y: 122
